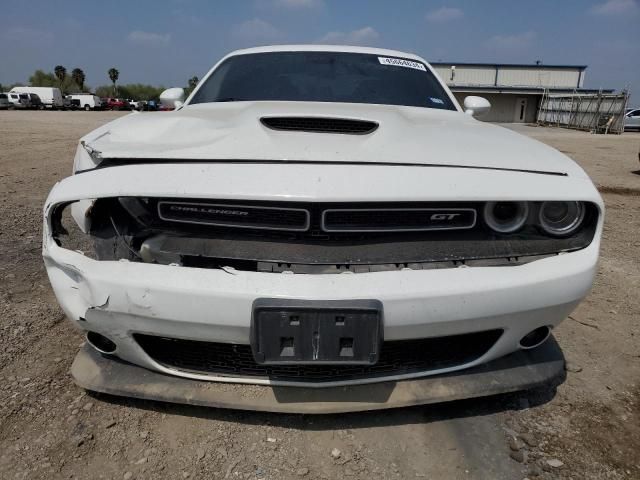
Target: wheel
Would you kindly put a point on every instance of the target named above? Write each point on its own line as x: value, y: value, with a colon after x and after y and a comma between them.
x: 87, y: 108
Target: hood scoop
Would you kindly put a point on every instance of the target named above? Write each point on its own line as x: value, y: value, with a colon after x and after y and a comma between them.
x: 320, y: 125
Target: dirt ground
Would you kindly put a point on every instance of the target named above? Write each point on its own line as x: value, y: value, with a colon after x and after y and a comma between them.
x: 50, y: 429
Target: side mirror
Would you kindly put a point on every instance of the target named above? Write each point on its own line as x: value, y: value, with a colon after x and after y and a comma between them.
x: 172, y: 97
x: 476, y: 106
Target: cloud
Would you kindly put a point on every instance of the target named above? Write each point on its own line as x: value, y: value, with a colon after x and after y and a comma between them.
x: 363, y: 36
x: 26, y: 35
x: 298, y: 4
x: 615, y: 7
x: 149, y: 39
x: 444, y: 14
x: 256, y: 30
x: 514, y: 42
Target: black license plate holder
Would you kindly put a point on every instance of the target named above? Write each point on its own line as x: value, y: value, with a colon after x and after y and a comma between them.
x: 310, y: 332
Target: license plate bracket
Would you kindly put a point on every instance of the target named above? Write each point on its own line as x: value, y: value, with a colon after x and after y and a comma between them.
x: 303, y: 332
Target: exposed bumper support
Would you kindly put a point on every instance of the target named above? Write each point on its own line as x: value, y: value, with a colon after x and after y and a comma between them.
x: 519, y: 371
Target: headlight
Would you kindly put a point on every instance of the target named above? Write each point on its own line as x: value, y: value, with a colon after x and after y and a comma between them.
x: 505, y: 217
x: 561, y: 218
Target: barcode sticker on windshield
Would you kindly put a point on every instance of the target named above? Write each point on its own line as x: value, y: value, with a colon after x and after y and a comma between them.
x: 400, y: 62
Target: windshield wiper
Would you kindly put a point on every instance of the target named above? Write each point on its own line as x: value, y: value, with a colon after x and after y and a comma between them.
x: 230, y: 99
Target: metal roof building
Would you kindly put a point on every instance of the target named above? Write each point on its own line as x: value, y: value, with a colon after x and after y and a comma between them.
x: 514, y: 90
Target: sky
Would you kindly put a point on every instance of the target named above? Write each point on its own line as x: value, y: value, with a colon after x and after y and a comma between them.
x: 165, y: 42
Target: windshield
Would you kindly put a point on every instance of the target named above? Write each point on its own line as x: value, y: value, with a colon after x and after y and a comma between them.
x: 324, y: 77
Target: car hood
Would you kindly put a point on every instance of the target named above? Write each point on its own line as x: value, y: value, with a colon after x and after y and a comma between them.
x: 406, y: 135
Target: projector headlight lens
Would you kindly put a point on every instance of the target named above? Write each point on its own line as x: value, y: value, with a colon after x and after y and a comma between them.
x: 506, y: 217
x: 561, y: 218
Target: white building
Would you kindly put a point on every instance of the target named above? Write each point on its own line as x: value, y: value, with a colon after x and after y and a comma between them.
x: 514, y: 90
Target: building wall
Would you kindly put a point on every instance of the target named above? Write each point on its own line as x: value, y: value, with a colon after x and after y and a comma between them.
x: 478, y: 75
x: 540, y: 77
x: 503, y: 106
x: 467, y: 75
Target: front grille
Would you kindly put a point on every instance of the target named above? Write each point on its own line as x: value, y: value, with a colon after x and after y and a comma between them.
x: 320, y: 125
x: 329, y: 218
x: 397, y: 219
x: 239, y: 216
x: 396, y: 358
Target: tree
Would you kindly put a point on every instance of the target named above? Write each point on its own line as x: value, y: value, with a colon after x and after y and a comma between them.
x: 191, y: 84
x: 78, y: 76
x: 113, y: 76
x: 61, y: 74
x: 41, y: 78
x: 137, y: 91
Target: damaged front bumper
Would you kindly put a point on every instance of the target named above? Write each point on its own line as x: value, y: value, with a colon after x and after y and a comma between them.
x: 522, y: 370
x: 122, y: 299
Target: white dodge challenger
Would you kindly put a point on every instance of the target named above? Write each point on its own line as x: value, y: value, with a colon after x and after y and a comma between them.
x: 325, y: 227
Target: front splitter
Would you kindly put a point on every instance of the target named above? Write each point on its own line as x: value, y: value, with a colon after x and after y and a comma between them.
x: 519, y: 371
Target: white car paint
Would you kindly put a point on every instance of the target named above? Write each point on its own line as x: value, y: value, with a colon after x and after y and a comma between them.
x: 231, y: 131
x: 416, y: 155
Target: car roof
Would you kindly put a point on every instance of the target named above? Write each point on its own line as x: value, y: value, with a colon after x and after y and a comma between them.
x: 326, y: 48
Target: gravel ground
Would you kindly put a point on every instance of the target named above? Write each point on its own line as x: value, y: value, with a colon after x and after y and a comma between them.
x: 50, y: 429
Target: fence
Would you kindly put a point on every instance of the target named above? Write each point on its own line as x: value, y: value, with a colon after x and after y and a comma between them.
x: 597, y: 113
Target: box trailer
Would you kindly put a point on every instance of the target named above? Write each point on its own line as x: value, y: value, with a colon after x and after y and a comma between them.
x: 51, y: 96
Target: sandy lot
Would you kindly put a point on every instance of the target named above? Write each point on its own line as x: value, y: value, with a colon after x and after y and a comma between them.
x: 51, y: 429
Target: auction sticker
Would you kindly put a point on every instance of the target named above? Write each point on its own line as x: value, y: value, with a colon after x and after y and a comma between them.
x: 400, y: 62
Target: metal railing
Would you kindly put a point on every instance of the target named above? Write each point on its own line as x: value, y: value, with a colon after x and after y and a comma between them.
x: 596, y: 113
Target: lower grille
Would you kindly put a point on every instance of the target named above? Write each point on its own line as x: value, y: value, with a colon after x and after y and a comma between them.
x: 396, y: 358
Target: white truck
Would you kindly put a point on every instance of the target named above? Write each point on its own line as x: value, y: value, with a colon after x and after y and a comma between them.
x: 51, y: 96
x: 88, y: 101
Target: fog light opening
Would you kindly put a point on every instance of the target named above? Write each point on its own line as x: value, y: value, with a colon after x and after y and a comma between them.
x: 101, y: 343
x: 535, y: 338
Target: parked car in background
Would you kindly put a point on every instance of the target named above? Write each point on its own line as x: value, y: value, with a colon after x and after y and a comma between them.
x: 87, y: 101
x: 632, y: 119
x: 19, y: 100
x: 117, y: 104
x: 51, y: 97
x: 71, y: 103
x: 4, y: 101
x: 151, y: 105
x: 133, y: 104
x: 35, y: 101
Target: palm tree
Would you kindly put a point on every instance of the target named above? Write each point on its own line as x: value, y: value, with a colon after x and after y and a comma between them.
x: 78, y: 77
x: 113, y: 76
x: 61, y: 74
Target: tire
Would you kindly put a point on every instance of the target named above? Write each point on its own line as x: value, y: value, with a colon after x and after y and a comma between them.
x: 87, y: 108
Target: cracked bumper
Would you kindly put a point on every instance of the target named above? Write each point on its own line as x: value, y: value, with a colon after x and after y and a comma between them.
x: 121, y: 298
